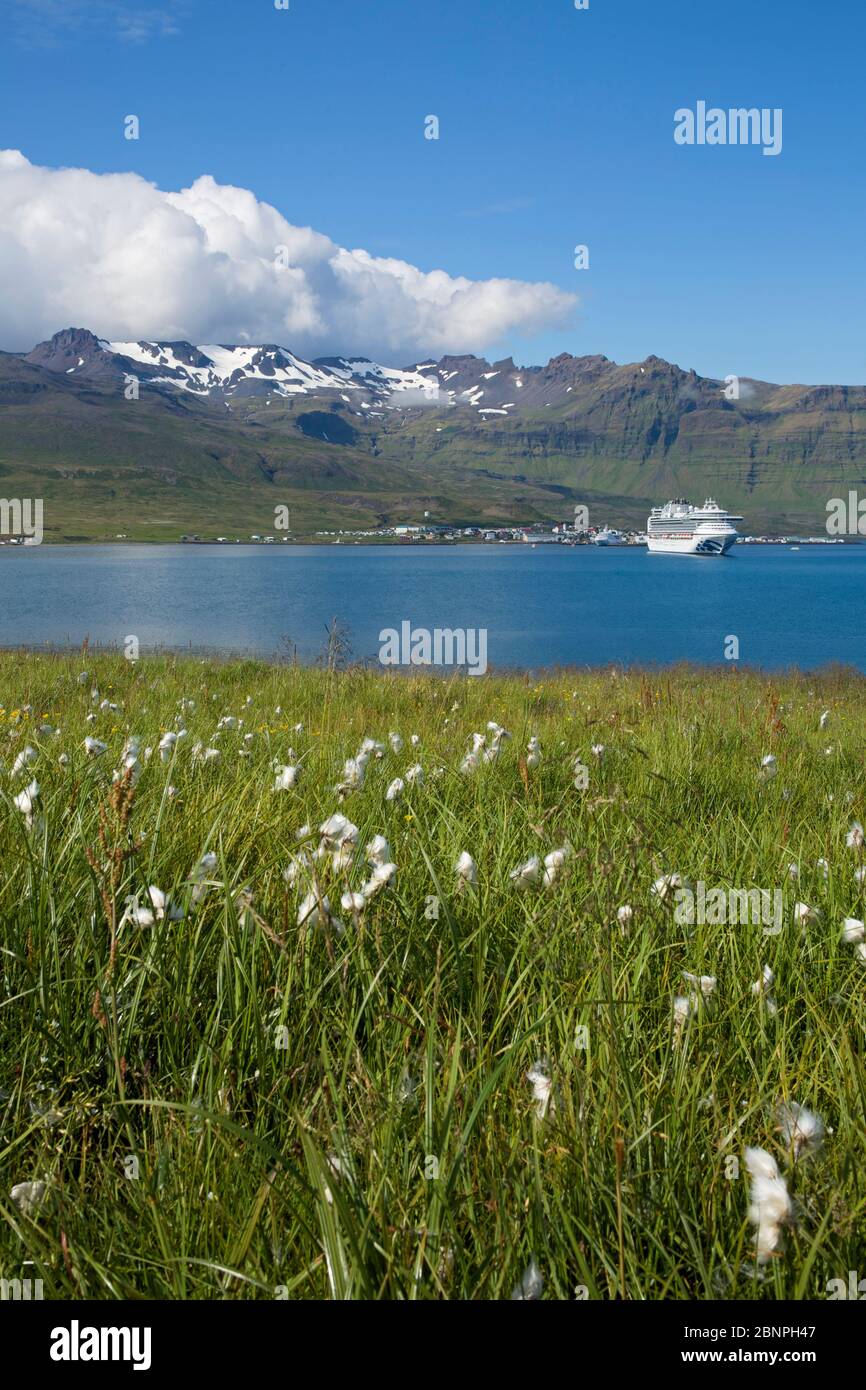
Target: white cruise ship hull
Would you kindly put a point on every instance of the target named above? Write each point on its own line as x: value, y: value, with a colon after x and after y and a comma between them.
x: 710, y: 542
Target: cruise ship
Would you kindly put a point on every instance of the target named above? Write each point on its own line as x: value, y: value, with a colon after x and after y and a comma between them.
x: 678, y: 528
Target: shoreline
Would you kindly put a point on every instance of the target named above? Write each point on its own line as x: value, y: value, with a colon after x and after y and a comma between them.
x: 399, y: 544
x: 365, y: 667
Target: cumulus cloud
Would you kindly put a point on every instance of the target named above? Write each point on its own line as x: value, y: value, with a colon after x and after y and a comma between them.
x: 114, y: 253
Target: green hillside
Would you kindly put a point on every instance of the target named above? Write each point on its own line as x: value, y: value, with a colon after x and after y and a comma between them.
x: 617, y: 438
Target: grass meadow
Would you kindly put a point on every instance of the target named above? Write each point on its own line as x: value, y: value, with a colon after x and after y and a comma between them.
x: 297, y: 1071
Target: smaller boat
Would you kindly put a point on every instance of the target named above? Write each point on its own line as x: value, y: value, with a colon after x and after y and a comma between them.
x: 607, y: 537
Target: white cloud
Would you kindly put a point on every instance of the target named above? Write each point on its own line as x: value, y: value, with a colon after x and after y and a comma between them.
x: 42, y: 23
x: 114, y: 253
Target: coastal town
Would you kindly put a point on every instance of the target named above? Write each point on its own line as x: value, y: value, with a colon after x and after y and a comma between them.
x: 426, y: 533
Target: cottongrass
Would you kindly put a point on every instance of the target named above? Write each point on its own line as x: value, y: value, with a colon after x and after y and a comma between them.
x: 802, y: 1130
x: 666, y: 886
x: 466, y: 870
x: 527, y: 873
x: 28, y: 1196
x: 770, y: 1208
x: 530, y: 1286
x: 539, y: 1079
x: 761, y: 990
x: 364, y: 980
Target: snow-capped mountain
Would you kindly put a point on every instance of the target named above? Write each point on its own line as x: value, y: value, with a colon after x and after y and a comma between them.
x: 593, y: 388
x: 220, y: 371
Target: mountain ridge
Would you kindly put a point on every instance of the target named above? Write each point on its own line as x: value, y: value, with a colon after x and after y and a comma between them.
x: 152, y: 437
x: 180, y: 362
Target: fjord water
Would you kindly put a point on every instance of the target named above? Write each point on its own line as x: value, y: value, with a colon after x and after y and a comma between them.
x: 543, y: 606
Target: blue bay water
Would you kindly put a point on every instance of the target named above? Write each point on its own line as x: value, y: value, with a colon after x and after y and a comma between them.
x: 551, y: 605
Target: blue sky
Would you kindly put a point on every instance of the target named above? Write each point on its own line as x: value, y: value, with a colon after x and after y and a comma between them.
x: 556, y: 129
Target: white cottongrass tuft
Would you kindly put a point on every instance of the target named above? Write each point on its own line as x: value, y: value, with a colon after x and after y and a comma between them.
x: 354, y: 772
x: 396, y: 743
x: 685, y: 1007
x: 315, y: 910
x: 466, y: 871
x: 526, y: 873
x: 705, y: 983
x: 371, y: 747
x: 761, y: 990
x: 667, y: 885
x: 769, y: 767
x: 135, y: 913
x: 472, y: 760
x: 378, y: 851
x: 855, y: 839
x: 530, y: 1286
x: 25, y: 757
x: 298, y: 865
x: 539, y: 1079
x: 553, y: 863
x: 802, y: 1130
x: 353, y: 902
x: 204, y: 870
x: 28, y: 1196
x: 395, y: 790
x: 853, y: 930
x: 770, y: 1207
x: 163, y: 907
x: 286, y: 778
x: 624, y: 915
x: 533, y: 754
x: 804, y: 915
x: 94, y: 747
x: 26, y: 802
x: 200, y: 754
x: 337, y: 831
x: 824, y: 721
x: 381, y: 876
x: 166, y: 746
x: 491, y: 753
